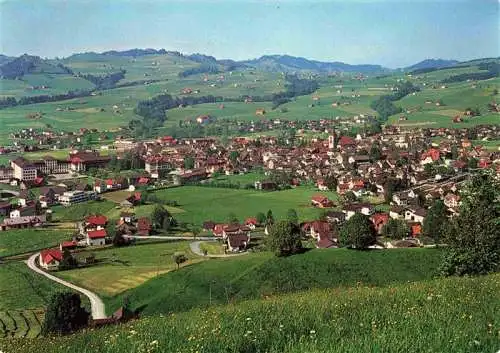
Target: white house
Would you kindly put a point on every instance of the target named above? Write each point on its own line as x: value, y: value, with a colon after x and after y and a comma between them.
x: 416, y: 214
x: 96, y: 237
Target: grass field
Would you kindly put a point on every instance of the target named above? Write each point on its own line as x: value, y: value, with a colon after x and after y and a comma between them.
x: 262, y: 275
x: 206, y: 203
x: 212, y: 248
x: 25, y: 240
x: 119, y: 269
x: 23, y: 289
x: 453, y: 315
x: 20, y: 323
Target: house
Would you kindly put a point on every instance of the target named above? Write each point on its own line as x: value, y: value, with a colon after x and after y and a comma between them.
x: 127, y: 217
x: 5, y: 208
x: 335, y: 217
x: 28, y: 210
x: 321, y: 201
x: 265, y: 185
x: 430, y: 156
x: 416, y: 214
x: 321, y: 185
x: 396, y: 212
x: 95, y: 222
x: 218, y: 230
x: 234, y: 229
x: 346, y: 141
x: 415, y: 229
x: 144, y: 226
x: 260, y: 112
x: 22, y: 222
x: 96, y: 237
x: 50, y: 258
x: 68, y: 245
x: 379, y: 220
x: 363, y: 208
x: 321, y: 231
x: 404, y: 198
x: 451, y: 200
x: 251, y: 223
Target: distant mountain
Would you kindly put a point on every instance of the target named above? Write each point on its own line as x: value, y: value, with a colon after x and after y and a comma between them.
x: 431, y: 64
x: 5, y: 59
x: 293, y: 63
x: 135, y: 52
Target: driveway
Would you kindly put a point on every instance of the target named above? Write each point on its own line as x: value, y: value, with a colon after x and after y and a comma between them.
x: 97, y: 305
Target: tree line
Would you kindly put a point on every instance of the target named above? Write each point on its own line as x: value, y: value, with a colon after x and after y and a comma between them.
x: 384, y: 106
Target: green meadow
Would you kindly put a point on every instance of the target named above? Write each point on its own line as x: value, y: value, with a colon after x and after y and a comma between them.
x: 207, y: 203
x: 13, y: 242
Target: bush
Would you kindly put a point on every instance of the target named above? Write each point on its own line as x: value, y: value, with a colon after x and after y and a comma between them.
x: 357, y: 232
x: 284, y: 238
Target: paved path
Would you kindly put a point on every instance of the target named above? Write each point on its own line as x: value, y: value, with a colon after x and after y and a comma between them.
x: 96, y: 303
x: 163, y: 237
x: 195, y: 247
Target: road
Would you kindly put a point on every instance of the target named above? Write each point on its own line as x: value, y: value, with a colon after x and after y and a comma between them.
x: 138, y: 237
x: 97, y: 305
x: 195, y: 247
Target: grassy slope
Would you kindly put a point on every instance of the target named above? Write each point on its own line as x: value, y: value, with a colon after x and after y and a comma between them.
x: 263, y: 275
x: 203, y: 203
x: 23, y: 289
x: 454, y: 315
x: 123, y: 268
x: 24, y: 240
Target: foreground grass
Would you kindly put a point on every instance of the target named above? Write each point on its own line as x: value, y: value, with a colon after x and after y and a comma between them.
x: 261, y: 275
x: 447, y: 315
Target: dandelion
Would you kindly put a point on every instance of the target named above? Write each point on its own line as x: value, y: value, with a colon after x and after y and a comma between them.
x: 249, y: 318
x: 312, y: 332
x: 154, y: 343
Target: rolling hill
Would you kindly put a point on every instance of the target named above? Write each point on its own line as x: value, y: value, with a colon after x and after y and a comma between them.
x: 431, y: 64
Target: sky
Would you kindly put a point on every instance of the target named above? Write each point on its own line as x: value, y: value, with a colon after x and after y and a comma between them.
x: 392, y: 33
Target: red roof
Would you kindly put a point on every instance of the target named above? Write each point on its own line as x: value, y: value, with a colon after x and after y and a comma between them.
x: 49, y: 255
x: 68, y: 244
x: 346, y: 141
x: 251, y: 221
x: 380, y: 218
x: 97, y: 220
x: 97, y: 234
x: 219, y: 229
x: 143, y: 180
x: 38, y: 181
x: 110, y: 182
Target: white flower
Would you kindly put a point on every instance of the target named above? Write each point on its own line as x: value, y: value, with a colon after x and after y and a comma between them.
x: 312, y: 332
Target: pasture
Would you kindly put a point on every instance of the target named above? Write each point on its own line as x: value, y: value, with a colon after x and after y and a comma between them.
x: 206, y: 203
x: 120, y: 269
x: 21, y: 241
x: 262, y: 275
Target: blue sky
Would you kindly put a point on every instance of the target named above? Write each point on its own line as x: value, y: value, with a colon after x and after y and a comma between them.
x: 391, y: 33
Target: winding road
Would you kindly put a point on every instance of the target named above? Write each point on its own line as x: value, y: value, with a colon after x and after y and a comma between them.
x: 97, y: 305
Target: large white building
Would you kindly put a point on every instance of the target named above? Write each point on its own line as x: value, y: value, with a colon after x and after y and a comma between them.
x: 69, y: 198
x: 23, y: 170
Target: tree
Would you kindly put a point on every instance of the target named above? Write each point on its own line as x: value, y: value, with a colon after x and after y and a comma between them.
x: 331, y: 182
x: 357, y: 232
x: 166, y: 224
x: 269, y: 218
x: 350, y: 196
x: 436, y: 221
x: 292, y: 216
x: 159, y: 213
x: 284, y: 238
x: 64, y: 314
x: 389, y: 188
x: 473, y: 237
x: 179, y: 258
x: 454, y: 152
x: 375, y: 153
x: 38, y: 208
x: 119, y: 240
x: 111, y: 228
x: 472, y: 163
x: 233, y: 156
x: 395, y: 229
x: 68, y: 261
x: 195, y: 231
x: 261, y: 218
x: 189, y: 163
x: 232, y: 219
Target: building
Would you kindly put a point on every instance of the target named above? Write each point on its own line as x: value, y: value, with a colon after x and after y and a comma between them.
x: 154, y: 165
x: 23, y: 170
x: 69, y: 198
x: 96, y: 237
x: 363, y: 208
x: 416, y: 214
x: 82, y: 161
x: 22, y: 222
x: 321, y: 201
x: 50, y: 258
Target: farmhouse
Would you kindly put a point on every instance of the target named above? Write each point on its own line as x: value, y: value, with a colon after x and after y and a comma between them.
x: 50, y: 258
x: 96, y: 237
x: 22, y: 222
x: 321, y: 201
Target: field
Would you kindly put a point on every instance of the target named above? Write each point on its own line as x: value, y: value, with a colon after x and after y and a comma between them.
x: 21, y: 241
x: 261, y: 275
x: 206, y: 203
x: 119, y: 269
x: 453, y: 315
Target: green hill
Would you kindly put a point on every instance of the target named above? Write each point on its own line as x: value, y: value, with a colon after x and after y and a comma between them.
x: 262, y: 275
x: 455, y: 315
